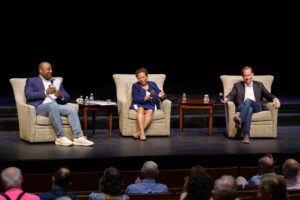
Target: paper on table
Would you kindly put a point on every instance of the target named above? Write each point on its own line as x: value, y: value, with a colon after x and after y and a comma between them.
x: 104, y: 103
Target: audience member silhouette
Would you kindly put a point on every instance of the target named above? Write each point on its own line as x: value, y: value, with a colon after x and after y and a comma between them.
x: 60, y: 181
x: 199, y: 187
x: 272, y: 187
x: 110, y: 186
x: 12, y: 180
x: 147, y: 184
x: 290, y: 171
x: 224, y: 188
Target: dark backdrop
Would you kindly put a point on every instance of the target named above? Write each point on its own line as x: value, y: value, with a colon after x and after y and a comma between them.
x: 193, y: 43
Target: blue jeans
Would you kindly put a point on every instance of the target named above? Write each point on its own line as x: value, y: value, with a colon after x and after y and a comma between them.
x: 54, y: 111
x: 246, y: 110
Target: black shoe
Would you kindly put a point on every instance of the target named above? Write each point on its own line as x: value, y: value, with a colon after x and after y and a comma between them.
x: 238, y: 121
x: 239, y: 125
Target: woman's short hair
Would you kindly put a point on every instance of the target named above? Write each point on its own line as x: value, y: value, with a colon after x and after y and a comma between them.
x: 141, y: 70
x: 199, y: 186
x: 111, y: 182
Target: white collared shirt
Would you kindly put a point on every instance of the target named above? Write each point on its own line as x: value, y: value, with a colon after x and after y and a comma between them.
x: 50, y: 97
x: 249, y: 92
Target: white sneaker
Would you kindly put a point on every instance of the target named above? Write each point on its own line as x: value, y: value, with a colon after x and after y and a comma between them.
x: 63, y: 141
x: 82, y: 141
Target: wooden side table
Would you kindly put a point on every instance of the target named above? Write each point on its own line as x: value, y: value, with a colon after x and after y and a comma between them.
x: 94, y: 108
x: 195, y: 103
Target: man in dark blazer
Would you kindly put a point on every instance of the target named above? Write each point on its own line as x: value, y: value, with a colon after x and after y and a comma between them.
x: 248, y: 97
x: 52, y: 102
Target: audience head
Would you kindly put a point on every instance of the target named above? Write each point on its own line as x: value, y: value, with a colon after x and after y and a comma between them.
x: 62, y: 177
x: 224, y: 188
x: 265, y: 164
x: 150, y: 170
x: 272, y: 187
x: 12, y: 177
x: 199, y: 186
x: 111, y: 182
x: 45, y: 70
x: 197, y: 169
x: 290, y: 168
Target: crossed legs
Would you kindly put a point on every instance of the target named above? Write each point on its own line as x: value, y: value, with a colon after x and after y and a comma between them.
x: 144, y: 118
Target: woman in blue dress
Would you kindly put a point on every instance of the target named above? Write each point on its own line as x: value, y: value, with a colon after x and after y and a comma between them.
x: 145, y: 95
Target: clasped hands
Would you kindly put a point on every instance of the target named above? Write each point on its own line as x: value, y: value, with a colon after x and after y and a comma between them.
x: 161, y: 95
x: 51, y: 89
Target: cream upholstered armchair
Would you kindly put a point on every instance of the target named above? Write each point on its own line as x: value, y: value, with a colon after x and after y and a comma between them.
x: 160, y: 125
x: 33, y: 128
x: 263, y: 124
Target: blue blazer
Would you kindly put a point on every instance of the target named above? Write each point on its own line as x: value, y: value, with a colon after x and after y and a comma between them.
x: 35, y: 92
x: 139, y: 93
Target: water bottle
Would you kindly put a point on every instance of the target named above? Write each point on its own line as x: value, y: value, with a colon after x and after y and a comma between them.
x: 80, y: 100
x: 206, y: 98
x: 183, y: 97
x: 87, y: 101
x: 91, y: 97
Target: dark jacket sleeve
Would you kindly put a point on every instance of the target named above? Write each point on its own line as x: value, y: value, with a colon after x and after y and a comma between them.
x: 30, y: 92
x: 137, y: 95
x: 156, y: 90
x: 267, y: 94
x: 232, y: 95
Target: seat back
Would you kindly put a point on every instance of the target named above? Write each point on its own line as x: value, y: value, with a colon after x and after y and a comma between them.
x: 18, y: 85
x: 228, y: 81
x: 124, y: 84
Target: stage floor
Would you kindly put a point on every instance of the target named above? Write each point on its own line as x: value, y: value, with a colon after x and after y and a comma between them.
x: 125, y: 153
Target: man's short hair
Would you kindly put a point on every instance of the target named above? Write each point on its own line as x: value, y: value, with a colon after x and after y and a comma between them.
x: 265, y: 164
x: 199, y: 186
x: 225, y: 188
x: 245, y: 68
x: 11, y: 177
x: 62, y: 177
x: 150, y: 169
x: 274, y: 187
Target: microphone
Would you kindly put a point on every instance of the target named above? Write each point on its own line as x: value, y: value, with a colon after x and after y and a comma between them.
x: 221, y: 95
x: 52, y: 80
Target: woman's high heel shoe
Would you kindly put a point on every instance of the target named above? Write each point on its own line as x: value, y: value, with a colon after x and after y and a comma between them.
x: 136, y: 136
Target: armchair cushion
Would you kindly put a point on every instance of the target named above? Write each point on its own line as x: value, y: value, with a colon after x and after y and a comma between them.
x: 45, y: 121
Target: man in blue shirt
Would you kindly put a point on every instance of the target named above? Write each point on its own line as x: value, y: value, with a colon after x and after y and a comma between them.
x: 265, y: 166
x: 61, y: 180
x: 148, y: 184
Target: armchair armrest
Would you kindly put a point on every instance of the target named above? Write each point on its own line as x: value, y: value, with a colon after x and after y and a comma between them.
x: 166, y: 106
x: 230, y: 108
x: 272, y: 109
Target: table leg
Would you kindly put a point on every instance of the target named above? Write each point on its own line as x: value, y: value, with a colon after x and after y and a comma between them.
x: 94, y: 120
x: 180, y: 119
x: 210, y: 119
x: 85, y: 120
x: 110, y: 121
